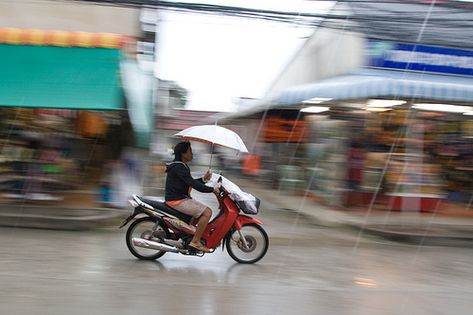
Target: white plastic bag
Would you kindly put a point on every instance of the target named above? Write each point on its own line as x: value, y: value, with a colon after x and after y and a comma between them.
x: 247, y: 202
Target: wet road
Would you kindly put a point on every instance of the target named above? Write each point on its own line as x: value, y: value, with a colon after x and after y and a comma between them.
x: 59, y: 272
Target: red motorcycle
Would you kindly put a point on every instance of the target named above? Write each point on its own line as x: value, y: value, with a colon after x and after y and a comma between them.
x: 164, y: 229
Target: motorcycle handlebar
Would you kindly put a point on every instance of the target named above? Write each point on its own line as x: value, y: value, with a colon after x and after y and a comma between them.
x: 221, y: 189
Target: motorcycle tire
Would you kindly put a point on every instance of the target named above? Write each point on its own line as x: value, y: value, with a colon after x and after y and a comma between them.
x: 130, y: 245
x: 249, y: 239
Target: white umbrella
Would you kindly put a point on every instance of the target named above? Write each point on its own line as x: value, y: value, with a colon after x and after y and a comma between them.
x: 214, y: 135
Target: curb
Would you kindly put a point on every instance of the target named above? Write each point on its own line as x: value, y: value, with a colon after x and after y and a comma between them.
x: 417, y: 238
x: 332, y: 219
x: 95, y: 218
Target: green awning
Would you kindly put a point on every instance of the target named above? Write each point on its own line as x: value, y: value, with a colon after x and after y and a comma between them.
x: 60, y: 77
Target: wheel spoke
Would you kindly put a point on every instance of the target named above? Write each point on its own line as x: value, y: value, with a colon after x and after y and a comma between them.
x: 143, y: 228
x: 243, y: 240
x: 248, y: 245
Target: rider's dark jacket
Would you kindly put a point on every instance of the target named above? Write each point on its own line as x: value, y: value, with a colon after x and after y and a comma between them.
x: 179, y: 181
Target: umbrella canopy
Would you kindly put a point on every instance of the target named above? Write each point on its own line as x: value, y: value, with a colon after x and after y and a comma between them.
x: 214, y: 134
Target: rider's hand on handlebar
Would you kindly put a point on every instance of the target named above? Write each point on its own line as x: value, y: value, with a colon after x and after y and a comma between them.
x: 207, y: 176
x: 217, y: 188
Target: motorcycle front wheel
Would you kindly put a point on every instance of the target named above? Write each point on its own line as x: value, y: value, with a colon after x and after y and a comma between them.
x: 143, y: 228
x: 257, y: 244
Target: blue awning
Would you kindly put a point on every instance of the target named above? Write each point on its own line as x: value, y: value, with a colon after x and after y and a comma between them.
x: 371, y: 83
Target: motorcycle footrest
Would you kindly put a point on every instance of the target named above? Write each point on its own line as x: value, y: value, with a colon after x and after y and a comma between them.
x: 195, y: 252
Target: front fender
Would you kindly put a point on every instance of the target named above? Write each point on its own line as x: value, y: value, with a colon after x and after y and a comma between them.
x: 242, y: 220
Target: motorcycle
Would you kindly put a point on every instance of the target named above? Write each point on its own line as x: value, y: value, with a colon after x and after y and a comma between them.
x: 163, y: 230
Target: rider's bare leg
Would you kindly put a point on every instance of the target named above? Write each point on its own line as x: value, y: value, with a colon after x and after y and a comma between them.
x: 201, y: 225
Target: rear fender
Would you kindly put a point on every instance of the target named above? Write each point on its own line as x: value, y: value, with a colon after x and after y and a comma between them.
x: 137, y: 211
x: 242, y: 220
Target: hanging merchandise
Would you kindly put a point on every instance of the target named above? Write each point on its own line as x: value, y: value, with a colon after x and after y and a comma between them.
x: 285, y: 130
x: 91, y: 124
x: 467, y: 127
x: 251, y: 164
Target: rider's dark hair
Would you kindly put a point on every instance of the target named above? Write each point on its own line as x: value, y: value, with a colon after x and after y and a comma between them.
x: 180, y: 149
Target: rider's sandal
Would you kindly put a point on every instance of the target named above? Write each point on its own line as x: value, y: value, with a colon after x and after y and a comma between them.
x: 200, y: 248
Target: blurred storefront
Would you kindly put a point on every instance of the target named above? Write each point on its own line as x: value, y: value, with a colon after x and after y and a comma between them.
x: 403, y: 137
x: 389, y: 123
x: 68, y: 114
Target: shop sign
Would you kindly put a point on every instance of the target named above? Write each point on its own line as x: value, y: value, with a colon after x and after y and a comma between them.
x: 401, y: 56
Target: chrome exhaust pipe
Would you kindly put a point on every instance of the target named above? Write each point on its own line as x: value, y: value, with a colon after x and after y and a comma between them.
x: 141, y: 242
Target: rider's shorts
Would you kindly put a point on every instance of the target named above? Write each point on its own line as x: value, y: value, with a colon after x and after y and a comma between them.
x: 191, y: 207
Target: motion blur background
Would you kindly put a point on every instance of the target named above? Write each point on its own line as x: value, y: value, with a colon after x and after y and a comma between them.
x: 356, y: 113
x: 371, y: 109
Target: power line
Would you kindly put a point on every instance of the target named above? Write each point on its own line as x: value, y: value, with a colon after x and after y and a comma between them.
x: 391, y: 19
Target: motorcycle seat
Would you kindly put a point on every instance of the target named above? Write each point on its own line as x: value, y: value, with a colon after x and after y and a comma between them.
x: 160, y: 205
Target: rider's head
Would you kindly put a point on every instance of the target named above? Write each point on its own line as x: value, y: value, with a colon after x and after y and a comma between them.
x: 183, y: 152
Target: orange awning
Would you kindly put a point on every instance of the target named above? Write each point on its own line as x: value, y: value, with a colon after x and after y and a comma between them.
x: 37, y: 37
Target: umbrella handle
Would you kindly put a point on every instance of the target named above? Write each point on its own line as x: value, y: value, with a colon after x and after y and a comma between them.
x: 211, y: 155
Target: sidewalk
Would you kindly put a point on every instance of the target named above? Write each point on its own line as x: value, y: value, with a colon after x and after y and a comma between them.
x: 410, y: 227
x: 78, y: 211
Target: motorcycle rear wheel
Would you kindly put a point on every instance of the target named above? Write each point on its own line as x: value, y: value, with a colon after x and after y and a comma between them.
x: 143, y: 228
x: 257, y: 241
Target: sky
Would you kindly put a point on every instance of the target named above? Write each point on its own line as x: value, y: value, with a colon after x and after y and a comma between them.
x: 218, y: 59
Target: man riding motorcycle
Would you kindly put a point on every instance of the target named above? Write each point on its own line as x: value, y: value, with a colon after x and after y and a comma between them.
x: 179, y: 183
